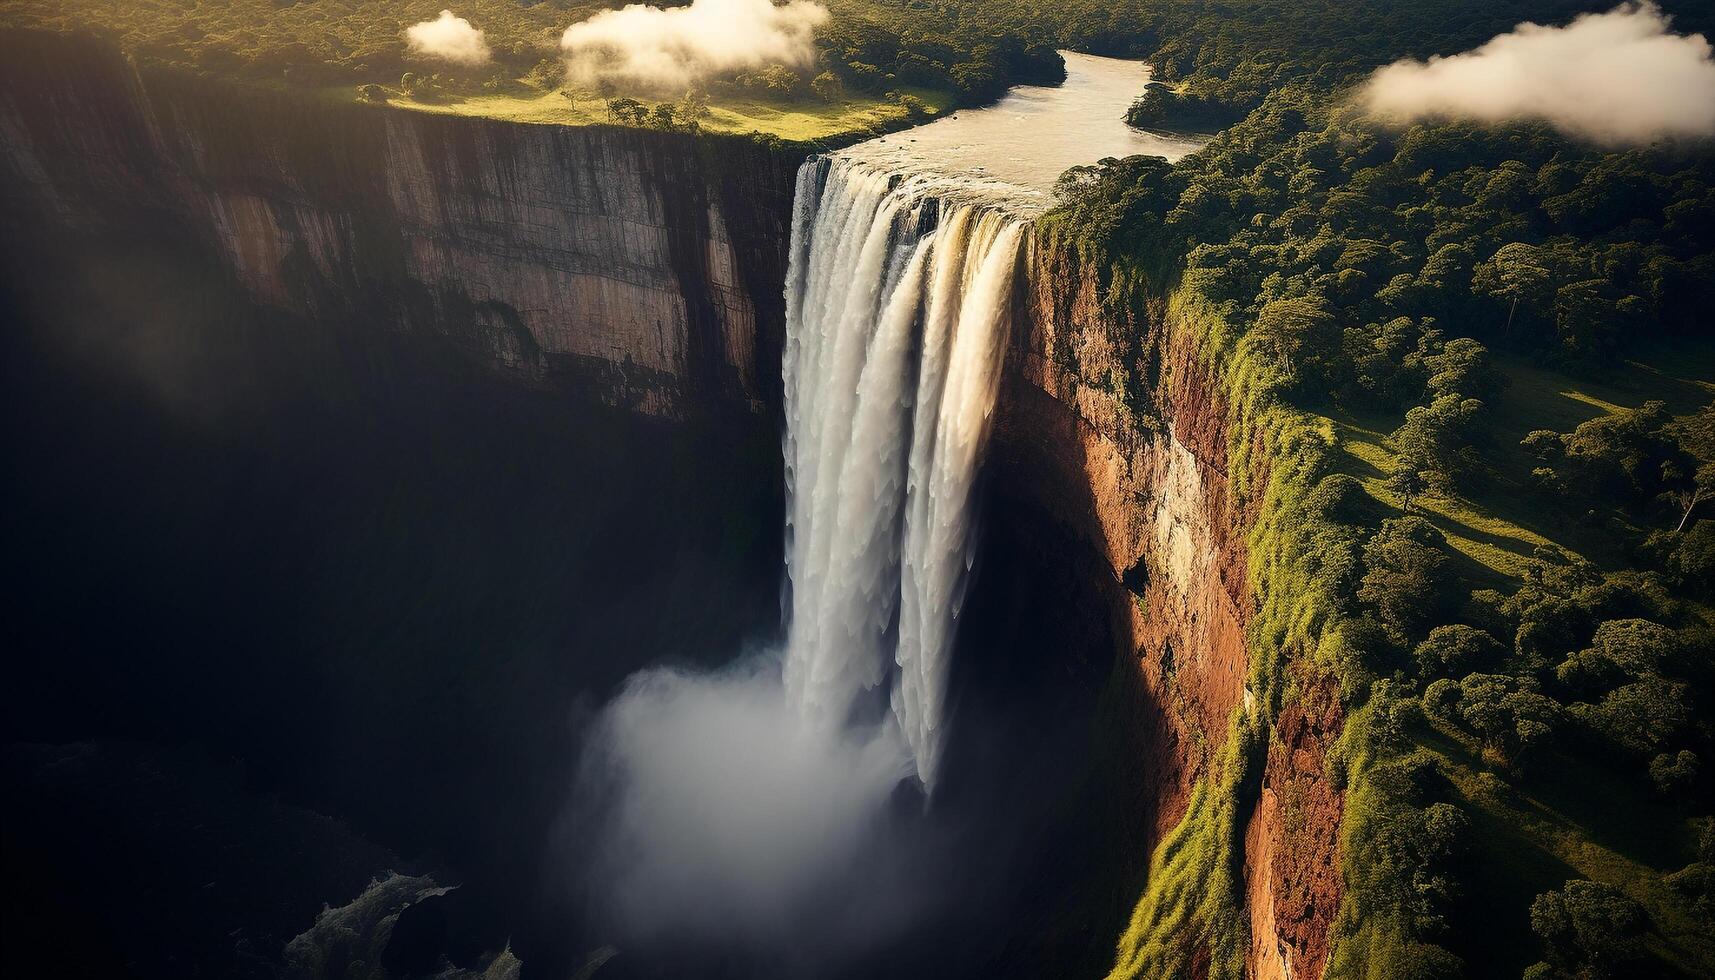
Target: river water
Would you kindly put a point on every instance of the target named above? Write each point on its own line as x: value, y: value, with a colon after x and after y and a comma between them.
x: 1017, y: 148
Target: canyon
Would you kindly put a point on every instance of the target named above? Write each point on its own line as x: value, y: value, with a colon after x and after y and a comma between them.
x: 641, y: 272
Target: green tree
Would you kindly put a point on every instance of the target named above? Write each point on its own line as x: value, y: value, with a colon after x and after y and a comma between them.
x: 1689, y: 556
x: 1300, y: 339
x: 627, y: 111
x: 1461, y: 367
x: 663, y: 116
x: 913, y: 106
x: 1406, y: 577
x: 1455, y: 650
x: 1439, y: 436
x: 1589, y: 930
x: 692, y: 109
x: 1407, y: 481
x: 1645, y: 716
x: 827, y: 87
x: 1515, y: 722
x: 976, y: 81
x: 1516, y: 272
x: 1441, y: 698
x: 1544, y: 444
x: 781, y: 81
x: 1700, y: 486
x: 1628, y: 455
x: 1586, y: 321
x: 1674, y: 773
x: 1621, y: 650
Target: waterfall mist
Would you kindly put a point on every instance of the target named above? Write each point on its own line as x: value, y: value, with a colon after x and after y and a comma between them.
x: 724, y: 819
x: 771, y: 804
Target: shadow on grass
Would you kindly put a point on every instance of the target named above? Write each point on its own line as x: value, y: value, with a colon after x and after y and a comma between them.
x: 1477, y: 571
x: 1572, y: 818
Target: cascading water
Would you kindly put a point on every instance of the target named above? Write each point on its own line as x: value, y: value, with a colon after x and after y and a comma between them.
x: 898, y: 302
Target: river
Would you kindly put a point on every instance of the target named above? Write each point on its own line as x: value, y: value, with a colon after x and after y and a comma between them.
x: 1018, y: 147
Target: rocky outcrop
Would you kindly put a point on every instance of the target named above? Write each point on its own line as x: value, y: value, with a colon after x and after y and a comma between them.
x: 1292, y: 883
x: 640, y: 267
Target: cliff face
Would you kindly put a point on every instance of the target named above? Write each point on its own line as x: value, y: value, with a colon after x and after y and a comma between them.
x: 1116, y: 430
x: 1147, y: 495
x: 643, y: 268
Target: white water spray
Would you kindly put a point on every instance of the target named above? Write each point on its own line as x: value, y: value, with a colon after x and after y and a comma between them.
x: 898, y: 305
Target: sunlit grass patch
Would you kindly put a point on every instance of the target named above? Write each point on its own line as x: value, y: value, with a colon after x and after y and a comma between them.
x: 1500, y: 546
x: 1503, y: 520
x: 808, y: 121
x: 805, y: 121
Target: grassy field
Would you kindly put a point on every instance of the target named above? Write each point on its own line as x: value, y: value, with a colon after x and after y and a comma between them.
x: 803, y: 121
x: 1499, y: 528
x: 334, y: 46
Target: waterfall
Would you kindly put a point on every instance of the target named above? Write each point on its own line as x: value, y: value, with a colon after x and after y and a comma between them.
x: 898, y: 300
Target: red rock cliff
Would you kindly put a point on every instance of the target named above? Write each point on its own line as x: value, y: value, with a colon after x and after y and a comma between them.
x: 1114, y: 427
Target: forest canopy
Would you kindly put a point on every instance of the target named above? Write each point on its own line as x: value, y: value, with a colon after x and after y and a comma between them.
x: 1499, y: 325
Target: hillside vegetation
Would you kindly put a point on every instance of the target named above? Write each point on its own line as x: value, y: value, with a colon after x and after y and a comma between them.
x: 1481, y: 356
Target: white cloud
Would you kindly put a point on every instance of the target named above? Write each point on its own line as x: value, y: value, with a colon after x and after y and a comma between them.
x: 651, y: 48
x: 1614, y: 78
x: 449, y: 38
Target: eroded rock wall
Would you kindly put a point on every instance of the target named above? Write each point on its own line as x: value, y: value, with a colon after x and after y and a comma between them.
x: 1115, y: 428
x: 643, y: 268
x: 1292, y: 875
x: 1119, y: 435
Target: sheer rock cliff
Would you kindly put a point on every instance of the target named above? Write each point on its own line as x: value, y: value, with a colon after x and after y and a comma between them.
x: 641, y: 267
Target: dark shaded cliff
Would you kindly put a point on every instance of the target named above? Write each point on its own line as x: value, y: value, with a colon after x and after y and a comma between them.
x: 640, y: 267
x: 371, y: 531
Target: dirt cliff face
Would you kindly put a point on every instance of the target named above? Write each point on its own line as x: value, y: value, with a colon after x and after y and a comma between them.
x: 1115, y: 429
x: 1120, y: 436
x: 1292, y: 875
x: 641, y: 267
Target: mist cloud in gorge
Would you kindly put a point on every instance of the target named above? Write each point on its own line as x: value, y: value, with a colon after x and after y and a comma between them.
x: 667, y: 49
x: 449, y: 38
x: 1620, y: 77
x: 718, y: 814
